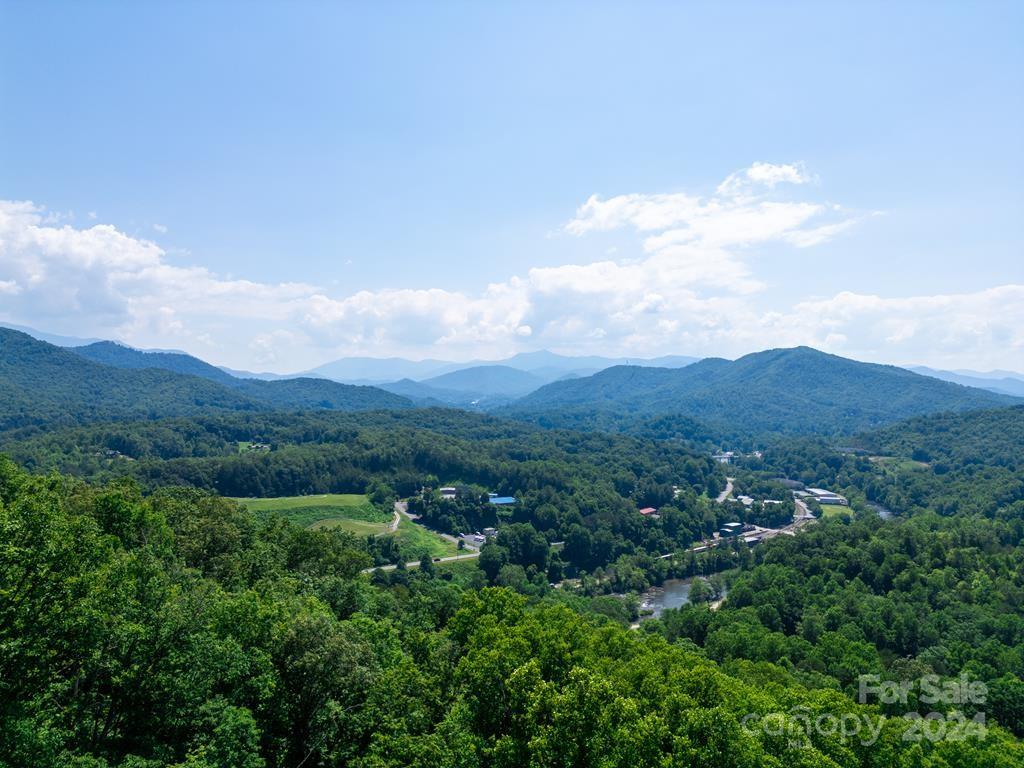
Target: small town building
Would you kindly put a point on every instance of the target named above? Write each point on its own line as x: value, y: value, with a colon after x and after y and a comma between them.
x: 730, y: 529
x: 823, y: 496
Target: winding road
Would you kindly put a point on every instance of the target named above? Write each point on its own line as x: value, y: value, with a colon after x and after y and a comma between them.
x: 416, y: 563
x: 402, y: 510
x: 728, y: 490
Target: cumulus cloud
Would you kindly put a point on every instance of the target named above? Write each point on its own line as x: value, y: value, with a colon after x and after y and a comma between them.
x: 100, y: 281
x: 694, y: 289
x: 987, y: 325
x: 741, y: 212
x: 743, y: 183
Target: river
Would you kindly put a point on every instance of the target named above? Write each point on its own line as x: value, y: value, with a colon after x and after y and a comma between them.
x: 883, y: 512
x: 674, y: 593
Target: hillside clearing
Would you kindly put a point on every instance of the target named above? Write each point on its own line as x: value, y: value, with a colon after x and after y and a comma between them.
x: 352, y: 512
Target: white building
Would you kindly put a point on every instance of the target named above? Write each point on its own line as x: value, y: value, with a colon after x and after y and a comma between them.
x: 824, y: 496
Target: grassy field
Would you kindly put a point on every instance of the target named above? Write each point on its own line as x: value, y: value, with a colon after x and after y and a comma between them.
x: 835, y: 510
x: 351, y: 511
x: 414, y: 540
x: 894, y: 463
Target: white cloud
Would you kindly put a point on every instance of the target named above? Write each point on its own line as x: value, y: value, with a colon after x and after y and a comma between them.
x: 161, y: 228
x: 740, y: 213
x: 644, y: 212
x: 694, y: 290
x: 986, y: 326
x: 767, y: 173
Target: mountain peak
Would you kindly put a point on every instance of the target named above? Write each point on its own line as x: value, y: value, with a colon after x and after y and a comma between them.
x: 785, y: 390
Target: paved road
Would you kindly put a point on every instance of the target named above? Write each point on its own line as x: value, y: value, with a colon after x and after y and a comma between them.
x: 805, y: 518
x: 400, y: 509
x: 416, y: 563
x: 728, y: 490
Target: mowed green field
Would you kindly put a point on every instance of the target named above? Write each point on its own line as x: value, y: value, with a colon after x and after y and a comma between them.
x: 835, y: 510
x: 352, y: 512
x: 414, y: 540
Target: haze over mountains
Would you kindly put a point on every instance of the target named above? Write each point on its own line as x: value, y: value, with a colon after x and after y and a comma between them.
x: 792, y: 391
x: 492, y: 382
x: 548, y: 366
x: 43, y: 382
x: 1003, y: 382
x: 781, y: 391
x: 483, y: 386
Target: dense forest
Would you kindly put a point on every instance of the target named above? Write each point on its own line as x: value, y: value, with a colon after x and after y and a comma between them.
x: 173, y: 630
x: 780, y: 391
x: 954, y: 463
x: 582, y: 488
x: 936, y: 590
x: 148, y: 620
x: 43, y: 386
x: 907, y: 598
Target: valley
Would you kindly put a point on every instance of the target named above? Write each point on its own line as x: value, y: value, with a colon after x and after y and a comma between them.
x: 726, y: 517
x: 511, y: 385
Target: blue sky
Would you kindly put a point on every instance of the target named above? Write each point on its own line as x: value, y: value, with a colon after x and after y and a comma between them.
x: 273, y: 185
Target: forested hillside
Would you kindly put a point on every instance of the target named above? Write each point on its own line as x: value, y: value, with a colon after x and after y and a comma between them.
x: 489, y: 380
x: 902, y: 600
x: 426, y: 396
x: 175, y: 631
x: 966, y: 463
x: 298, y: 392
x: 147, y: 622
x: 122, y: 356
x: 936, y: 590
x: 44, y: 385
x: 788, y: 391
x: 584, y: 488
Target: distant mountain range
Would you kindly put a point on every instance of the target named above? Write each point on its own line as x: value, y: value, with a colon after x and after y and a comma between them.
x: 548, y: 366
x: 44, y: 384
x: 50, y: 338
x: 480, y: 383
x: 1003, y: 382
x: 123, y: 356
x: 781, y: 391
x: 480, y: 387
x: 300, y: 392
x: 477, y: 384
x: 788, y: 391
